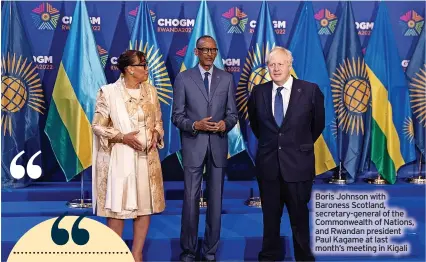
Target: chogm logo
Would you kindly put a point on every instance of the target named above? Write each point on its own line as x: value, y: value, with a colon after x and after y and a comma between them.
x: 180, y: 55
x: 103, y: 55
x: 45, y: 16
x: 279, y: 26
x: 131, y: 18
x: 175, y: 25
x: 327, y: 22
x: 234, y: 20
x: 231, y: 65
x: 94, y: 20
x: 364, y: 28
x: 412, y: 23
x: 43, y: 62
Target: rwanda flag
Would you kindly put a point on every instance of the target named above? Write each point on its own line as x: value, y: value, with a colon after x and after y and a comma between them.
x: 351, y: 91
x: 143, y: 39
x: 309, y: 64
x: 71, y: 110
x: 416, y: 73
x: 255, y: 71
x: 392, y: 127
x: 204, y: 26
x: 22, y: 100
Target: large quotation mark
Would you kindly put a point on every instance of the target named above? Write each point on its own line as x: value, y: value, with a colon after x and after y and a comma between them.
x: 18, y: 171
x: 60, y: 236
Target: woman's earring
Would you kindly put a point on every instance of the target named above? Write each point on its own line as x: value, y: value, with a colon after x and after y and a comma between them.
x: 131, y: 73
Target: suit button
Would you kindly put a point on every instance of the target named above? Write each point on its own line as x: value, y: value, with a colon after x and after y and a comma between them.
x: 281, y: 134
x: 279, y: 148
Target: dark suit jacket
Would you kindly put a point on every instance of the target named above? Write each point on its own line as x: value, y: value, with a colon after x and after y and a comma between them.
x: 191, y: 103
x: 287, y: 150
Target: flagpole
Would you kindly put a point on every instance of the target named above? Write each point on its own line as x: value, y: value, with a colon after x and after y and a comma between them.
x: 339, y: 180
x: 80, y: 202
x: 419, y: 179
x: 203, y: 200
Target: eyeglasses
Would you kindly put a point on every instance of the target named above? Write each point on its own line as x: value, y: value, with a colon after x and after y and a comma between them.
x: 144, y: 65
x: 207, y: 50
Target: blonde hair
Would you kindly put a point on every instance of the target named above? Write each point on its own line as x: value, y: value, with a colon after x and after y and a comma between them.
x: 280, y: 49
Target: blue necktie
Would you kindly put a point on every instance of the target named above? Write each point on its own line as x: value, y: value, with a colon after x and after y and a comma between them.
x: 206, y: 82
x: 278, y: 107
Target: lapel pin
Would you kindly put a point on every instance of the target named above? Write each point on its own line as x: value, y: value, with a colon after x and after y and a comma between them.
x: 299, y: 90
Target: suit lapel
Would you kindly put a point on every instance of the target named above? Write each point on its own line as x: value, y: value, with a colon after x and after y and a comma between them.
x: 296, y: 93
x: 267, y: 96
x: 196, y: 77
x: 215, y: 82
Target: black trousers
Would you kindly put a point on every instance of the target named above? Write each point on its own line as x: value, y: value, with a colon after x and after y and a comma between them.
x: 295, y: 195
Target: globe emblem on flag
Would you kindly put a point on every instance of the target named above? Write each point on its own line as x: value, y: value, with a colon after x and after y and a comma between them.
x: 357, y: 95
x: 20, y: 87
x: 255, y: 72
x: 351, y: 95
x: 13, y: 94
x: 259, y: 76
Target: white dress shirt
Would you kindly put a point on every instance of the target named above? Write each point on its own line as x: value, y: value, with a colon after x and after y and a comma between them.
x: 285, y: 93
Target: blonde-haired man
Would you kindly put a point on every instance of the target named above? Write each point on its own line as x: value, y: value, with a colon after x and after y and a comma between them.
x: 287, y: 116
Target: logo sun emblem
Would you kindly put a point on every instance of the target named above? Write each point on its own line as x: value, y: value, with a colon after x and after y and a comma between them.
x: 351, y: 95
x: 45, y: 16
x: 418, y: 95
x: 234, y: 20
x: 327, y: 22
x: 409, y: 129
x: 254, y: 73
x: 412, y: 23
x: 158, y: 75
x: 20, y: 87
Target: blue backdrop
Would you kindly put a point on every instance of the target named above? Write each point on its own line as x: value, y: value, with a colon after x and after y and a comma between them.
x: 47, y: 25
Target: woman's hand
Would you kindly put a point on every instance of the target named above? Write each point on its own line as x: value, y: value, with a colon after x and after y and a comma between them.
x: 131, y: 140
x: 154, y: 139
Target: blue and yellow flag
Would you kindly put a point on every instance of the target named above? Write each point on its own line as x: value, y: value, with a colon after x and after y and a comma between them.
x: 204, y: 26
x: 392, y: 129
x: 309, y: 64
x: 143, y: 39
x: 416, y: 73
x: 22, y: 99
x: 255, y: 70
x: 71, y: 110
x: 351, y: 91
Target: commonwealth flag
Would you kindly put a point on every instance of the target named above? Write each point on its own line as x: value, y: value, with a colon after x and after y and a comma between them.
x: 392, y: 130
x: 71, y: 110
x: 143, y: 39
x: 204, y: 26
x: 416, y: 73
x: 255, y: 71
x: 22, y: 99
x: 309, y: 64
x: 351, y: 94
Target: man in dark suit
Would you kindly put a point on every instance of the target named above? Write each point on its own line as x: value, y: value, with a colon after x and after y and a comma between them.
x: 287, y: 116
x: 204, y: 110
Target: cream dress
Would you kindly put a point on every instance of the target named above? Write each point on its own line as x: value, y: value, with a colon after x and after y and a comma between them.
x: 140, y: 193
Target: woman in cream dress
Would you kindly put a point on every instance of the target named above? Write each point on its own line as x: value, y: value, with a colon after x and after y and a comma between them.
x: 127, y: 132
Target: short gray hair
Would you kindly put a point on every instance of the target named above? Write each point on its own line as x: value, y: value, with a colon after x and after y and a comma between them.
x: 281, y: 49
